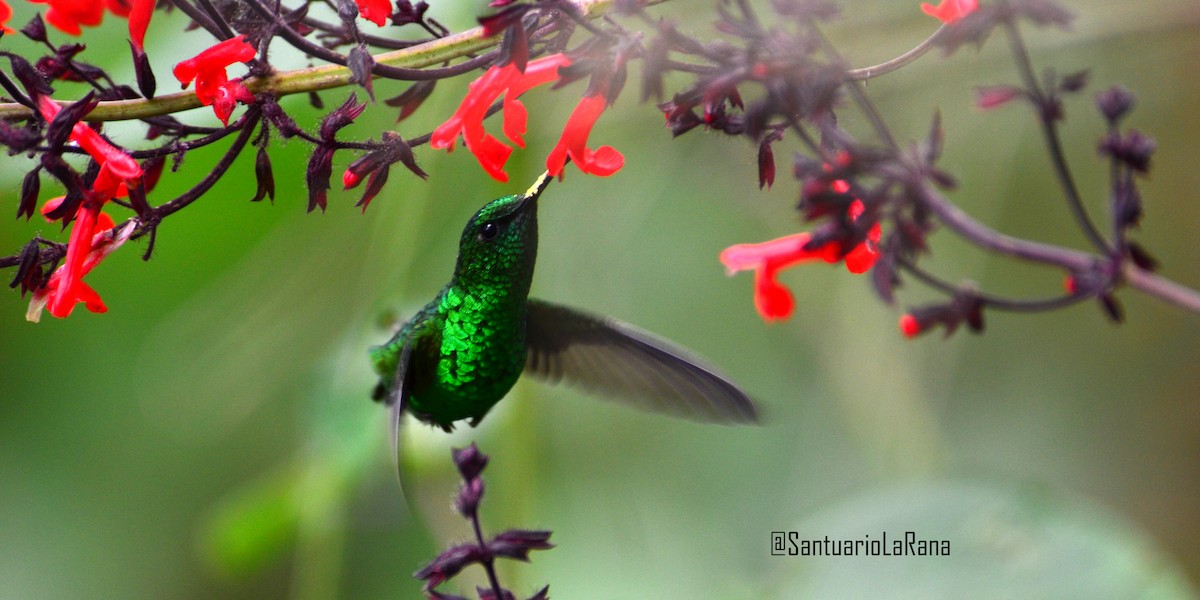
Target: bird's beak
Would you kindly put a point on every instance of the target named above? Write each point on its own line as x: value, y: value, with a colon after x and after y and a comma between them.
x: 531, y: 195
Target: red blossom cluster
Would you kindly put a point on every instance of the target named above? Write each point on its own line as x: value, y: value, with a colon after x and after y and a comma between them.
x: 213, y: 86
x: 92, y: 236
x: 767, y: 259
x: 510, y: 80
x: 91, y: 230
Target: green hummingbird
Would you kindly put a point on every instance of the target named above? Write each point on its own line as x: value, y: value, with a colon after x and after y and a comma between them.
x: 458, y: 356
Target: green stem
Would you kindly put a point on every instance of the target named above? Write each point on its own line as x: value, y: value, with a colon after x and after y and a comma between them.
x: 311, y: 79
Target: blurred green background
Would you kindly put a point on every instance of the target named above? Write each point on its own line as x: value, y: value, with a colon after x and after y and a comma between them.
x: 211, y: 435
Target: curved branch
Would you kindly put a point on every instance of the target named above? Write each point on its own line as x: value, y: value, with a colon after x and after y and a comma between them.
x: 313, y: 79
x: 886, y: 67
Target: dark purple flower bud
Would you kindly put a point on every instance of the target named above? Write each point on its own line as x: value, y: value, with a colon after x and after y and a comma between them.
x: 965, y: 307
x: 1133, y: 149
x: 1114, y: 103
x: 448, y: 564
x: 766, y: 159
x: 375, y: 183
x: 542, y: 594
x: 681, y: 122
x: 470, y: 461
x: 501, y: 21
x: 407, y: 12
x: 35, y: 85
x: 347, y: 10
x: 18, y: 139
x: 35, y: 29
x: 360, y: 63
x: 141, y: 68
x: 1076, y: 81
x: 412, y: 98
x: 264, y: 175
x: 52, y: 68
x: 517, y: 543
x: 29, y: 270
x: 469, y: 496
x: 766, y: 165
x: 1140, y: 257
x: 70, y: 180
x: 30, y: 186
x: 320, y: 167
x: 514, y: 48
x: 59, y: 129
x: 341, y: 117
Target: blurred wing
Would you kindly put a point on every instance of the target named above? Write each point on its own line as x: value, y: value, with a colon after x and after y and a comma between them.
x: 616, y: 359
x: 397, y: 401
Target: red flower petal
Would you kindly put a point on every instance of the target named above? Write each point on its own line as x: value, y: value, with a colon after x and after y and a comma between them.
x: 467, y: 120
x: 66, y: 287
x: 949, y: 11
x: 214, y: 59
x: 375, y: 11
x: 573, y: 143
x: 5, y: 15
x: 116, y: 166
x: 139, y: 20
x: 82, y: 230
x: 68, y: 15
x: 773, y: 301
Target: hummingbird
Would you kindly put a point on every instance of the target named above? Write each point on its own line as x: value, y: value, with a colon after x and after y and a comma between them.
x: 461, y: 353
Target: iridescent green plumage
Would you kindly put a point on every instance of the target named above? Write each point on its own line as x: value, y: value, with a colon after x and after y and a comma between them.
x: 458, y: 356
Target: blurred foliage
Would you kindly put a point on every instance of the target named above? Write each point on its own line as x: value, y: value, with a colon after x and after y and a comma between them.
x: 211, y: 434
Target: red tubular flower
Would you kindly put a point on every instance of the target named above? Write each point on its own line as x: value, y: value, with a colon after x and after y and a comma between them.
x: 602, y: 162
x: 910, y: 326
x: 92, y: 239
x: 467, y: 121
x: 375, y: 11
x: 5, y: 15
x: 213, y: 86
x: 118, y: 170
x: 774, y: 301
x: 949, y: 11
x: 68, y: 15
x: 139, y: 19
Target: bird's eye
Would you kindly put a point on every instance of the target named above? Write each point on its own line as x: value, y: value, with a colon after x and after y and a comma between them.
x: 488, y: 232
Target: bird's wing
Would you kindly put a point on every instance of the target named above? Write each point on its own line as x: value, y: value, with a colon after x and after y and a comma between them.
x: 632, y: 366
x: 397, y: 401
